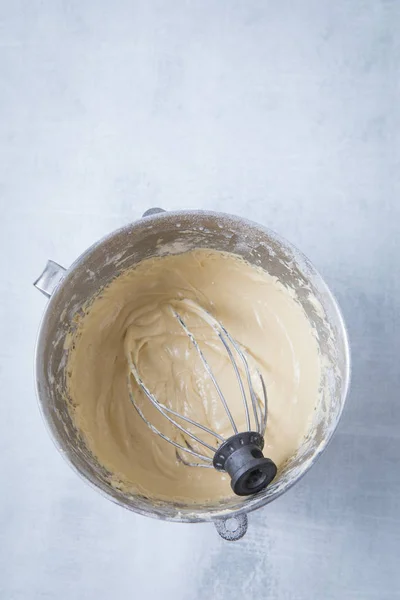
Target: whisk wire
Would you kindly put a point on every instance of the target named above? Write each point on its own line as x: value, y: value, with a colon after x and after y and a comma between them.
x: 253, y: 397
x: 162, y: 435
x: 222, y: 333
x: 264, y: 389
x: 235, y: 367
x: 208, y: 369
x: 164, y: 410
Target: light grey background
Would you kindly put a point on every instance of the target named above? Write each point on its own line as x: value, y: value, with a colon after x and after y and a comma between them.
x: 285, y: 112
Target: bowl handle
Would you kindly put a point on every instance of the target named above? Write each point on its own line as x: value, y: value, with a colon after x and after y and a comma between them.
x: 232, y: 528
x: 52, y: 274
x: 153, y: 211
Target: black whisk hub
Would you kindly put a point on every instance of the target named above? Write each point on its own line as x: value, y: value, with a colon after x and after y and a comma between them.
x: 242, y: 458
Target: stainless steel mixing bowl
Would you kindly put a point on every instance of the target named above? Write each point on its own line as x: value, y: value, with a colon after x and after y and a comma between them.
x: 160, y: 233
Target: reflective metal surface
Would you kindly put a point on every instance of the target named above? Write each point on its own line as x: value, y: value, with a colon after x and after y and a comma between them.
x: 286, y: 113
x: 158, y: 235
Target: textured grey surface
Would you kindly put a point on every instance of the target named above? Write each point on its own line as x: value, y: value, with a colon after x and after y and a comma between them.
x: 285, y: 112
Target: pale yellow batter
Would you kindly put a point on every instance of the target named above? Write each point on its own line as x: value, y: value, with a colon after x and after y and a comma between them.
x: 132, y: 320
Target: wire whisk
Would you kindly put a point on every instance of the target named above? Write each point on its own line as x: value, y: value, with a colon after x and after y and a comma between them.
x: 240, y: 454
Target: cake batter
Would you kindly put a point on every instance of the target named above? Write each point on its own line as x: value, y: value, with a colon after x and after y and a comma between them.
x: 132, y: 320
